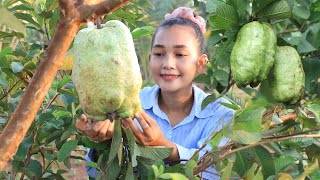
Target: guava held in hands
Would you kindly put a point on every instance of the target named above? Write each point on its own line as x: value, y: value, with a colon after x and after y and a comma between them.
x: 106, y: 72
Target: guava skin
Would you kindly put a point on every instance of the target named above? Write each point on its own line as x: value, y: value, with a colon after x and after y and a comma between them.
x: 270, y: 50
x: 287, y: 78
x: 253, y: 54
x: 106, y: 72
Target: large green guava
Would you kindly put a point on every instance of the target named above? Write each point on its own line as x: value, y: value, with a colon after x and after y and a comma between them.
x: 287, y: 79
x: 106, y: 72
x: 253, y: 53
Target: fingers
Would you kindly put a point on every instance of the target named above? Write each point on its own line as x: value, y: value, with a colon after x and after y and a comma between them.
x: 81, y: 123
x: 143, y: 123
x: 106, y: 131
x: 96, y: 131
x: 134, y: 128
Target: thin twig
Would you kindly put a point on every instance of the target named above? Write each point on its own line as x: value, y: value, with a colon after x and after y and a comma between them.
x: 50, y: 102
x: 266, y: 116
x: 230, y: 84
x: 8, y: 92
x: 289, y: 31
x: 291, y: 116
x: 46, y: 30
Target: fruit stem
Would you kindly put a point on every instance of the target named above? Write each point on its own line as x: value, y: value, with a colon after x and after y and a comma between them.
x: 98, y: 22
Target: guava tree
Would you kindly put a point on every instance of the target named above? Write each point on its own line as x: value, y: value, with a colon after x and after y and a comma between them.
x: 268, y: 139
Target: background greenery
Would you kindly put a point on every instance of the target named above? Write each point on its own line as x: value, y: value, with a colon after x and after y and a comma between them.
x: 26, y: 28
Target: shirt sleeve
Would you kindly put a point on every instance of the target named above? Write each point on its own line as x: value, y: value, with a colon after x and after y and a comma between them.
x: 91, y: 171
x: 187, y: 153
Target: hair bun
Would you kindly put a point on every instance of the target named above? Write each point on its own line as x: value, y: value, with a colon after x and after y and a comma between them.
x: 187, y: 13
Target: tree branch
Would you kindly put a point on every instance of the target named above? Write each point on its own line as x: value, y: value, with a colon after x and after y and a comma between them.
x: 71, y: 17
x: 91, y: 12
x: 227, y: 150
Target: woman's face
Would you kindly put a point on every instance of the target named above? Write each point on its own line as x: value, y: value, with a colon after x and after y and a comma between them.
x: 175, y: 58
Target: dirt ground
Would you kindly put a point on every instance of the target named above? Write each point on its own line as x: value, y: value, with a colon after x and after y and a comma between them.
x: 77, y: 171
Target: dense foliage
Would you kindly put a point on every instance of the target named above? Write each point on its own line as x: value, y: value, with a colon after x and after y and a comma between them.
x: 269, y: 140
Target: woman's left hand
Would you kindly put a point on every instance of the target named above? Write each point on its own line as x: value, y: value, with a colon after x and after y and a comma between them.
x: 150, y: 135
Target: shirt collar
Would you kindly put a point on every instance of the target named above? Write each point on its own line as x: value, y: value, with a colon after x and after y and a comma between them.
x: 150, y: 99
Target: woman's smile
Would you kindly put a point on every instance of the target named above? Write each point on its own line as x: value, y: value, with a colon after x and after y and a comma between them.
x: 169, y: 77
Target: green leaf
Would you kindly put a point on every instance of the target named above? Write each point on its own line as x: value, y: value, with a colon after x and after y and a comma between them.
x: 92, y: 164
x: 53, y: 21
x: 29, y: 19
x: 3, y: 121
x: 24, y: 7
x: 202, y: 78
x: 11, y: 21
x: 66, y: 149
x: 98, y: 146
x: 7, y: 3
x: 301, y: 11
x: 240, y: 5
x: 265, y: 160
x: 243, y: 162
x: 132, y: 144
x: 3, y: 83
x: 212, y: 5
x: 34, y: 169
x: 221, y: 75
x: 315, y: 109
x: 52, y: 4
x: 5, y: 51
x: 283, y: 162
x: 153, y: 152
x: 209, y: 99
x: 226, y: 172
x: 112, y: 171
x: 61, y: 114
x: 276, y: 10
x: 231, y: 106
x: 64, y: 81
x: 129, y: 173
x: 216, y: 140
x: 23, y: 149
x: 67, y: 162
x: 260, y: 4
x: 243, y: 137
x: 69, y: 132
x: 312, y: 73
x: 53, y: 136
x: 142, y: 31
x: 153, y: 172
x: 249, y: 119
x: 173, y: 176
x: 189, y: 167
x: 252, y: 173
x: 304, y: 46
x: 116, y: 141
x: 309, y: 169
x: 144, y: 165
x: 17, y: 67
x: 225, y: 17
x: 30, y: 65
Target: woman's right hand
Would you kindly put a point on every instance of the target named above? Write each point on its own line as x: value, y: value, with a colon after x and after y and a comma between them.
x: 97, y: 130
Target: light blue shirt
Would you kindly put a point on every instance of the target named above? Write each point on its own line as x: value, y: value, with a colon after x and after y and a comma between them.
x: 190, y: 134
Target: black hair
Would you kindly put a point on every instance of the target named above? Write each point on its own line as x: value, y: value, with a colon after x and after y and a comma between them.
x: 183, y: 22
